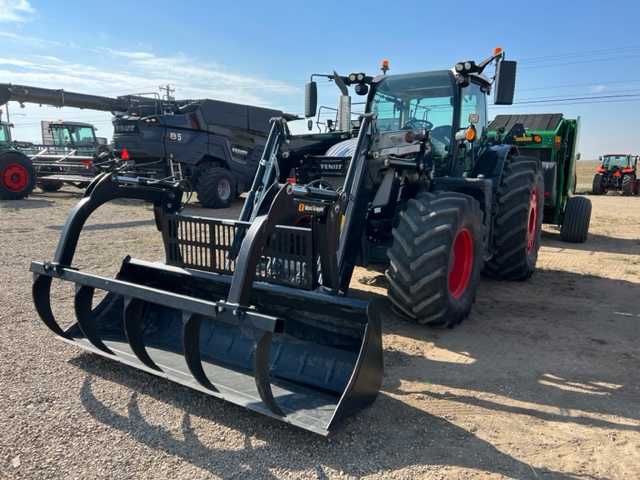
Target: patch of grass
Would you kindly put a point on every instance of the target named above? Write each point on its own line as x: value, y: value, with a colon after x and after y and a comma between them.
x: 632, y: 260
x: 628, y: 271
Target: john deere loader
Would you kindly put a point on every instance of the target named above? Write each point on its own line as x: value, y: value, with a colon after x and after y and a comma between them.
x: 258, y: 311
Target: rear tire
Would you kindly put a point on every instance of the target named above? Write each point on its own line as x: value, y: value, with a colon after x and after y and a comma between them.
x: 517, y: 225
x: 628, y: 185
x: 598, y: 184
x: 215, y: 188
x: 577, y: 216
x: 436, y: 258
x: 17, y: 176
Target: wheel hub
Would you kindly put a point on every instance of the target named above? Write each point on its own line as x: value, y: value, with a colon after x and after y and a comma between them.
x: 462, y: 263
x: 15, y: 177
x: 533, y: 221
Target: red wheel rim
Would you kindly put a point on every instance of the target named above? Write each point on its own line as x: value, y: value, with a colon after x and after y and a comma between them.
x: 460, y: 271
x: 15, y: 177
x: 532, y: 226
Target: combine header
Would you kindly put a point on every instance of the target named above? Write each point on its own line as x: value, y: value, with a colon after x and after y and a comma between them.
x: 257, y: 311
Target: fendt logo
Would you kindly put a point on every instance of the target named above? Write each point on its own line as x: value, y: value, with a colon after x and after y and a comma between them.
x: 310, y: 208
x: 125, y: 128
x: 331, y: 166
x: 239, y: 152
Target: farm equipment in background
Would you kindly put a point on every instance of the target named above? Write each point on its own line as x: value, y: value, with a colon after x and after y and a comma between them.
x: 257, y: 311
x: 554, y: 140
x: 67, y: 155
x: 618, y: 173
x: 214, y: 145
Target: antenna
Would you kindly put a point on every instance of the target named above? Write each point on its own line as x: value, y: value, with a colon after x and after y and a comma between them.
x: 169, y: 91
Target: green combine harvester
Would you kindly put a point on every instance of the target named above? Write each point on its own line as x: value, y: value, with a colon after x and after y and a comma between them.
x: 554, y: 140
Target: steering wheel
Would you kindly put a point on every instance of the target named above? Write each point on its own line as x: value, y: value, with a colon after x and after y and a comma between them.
x: 442, y: 133
x: 417, y: 123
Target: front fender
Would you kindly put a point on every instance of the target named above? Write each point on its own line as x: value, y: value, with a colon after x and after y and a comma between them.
x: 491, y: 162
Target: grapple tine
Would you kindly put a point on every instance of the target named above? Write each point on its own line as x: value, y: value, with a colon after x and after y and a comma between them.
x: 191, y: 348
x: 41, y: 292
x: 82, y: 304
x: 261, y: 373
x: 132, y: 322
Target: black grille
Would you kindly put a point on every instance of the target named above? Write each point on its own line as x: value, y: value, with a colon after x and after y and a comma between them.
x: 212, y: 245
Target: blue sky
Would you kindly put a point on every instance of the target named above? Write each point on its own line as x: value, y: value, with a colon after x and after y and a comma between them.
x: 579, y: 59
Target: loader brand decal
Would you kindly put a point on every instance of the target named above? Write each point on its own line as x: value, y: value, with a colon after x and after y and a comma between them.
x: 401, y: 150
x: 304, y: 207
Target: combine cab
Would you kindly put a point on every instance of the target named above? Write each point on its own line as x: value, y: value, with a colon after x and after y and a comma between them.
x: 618, y: 173
x: 554, y: 140
x: 257, y: 311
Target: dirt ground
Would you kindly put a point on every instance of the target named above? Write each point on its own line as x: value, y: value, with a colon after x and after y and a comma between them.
x: 540, y: 381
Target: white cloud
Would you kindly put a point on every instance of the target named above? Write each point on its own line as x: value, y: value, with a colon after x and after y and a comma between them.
x: 16, y: 11
x: 113, y: 72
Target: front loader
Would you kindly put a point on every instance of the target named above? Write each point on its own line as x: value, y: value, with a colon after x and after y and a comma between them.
x: 257, y: 311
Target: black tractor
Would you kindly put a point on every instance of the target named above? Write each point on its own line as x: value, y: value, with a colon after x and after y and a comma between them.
x: 258, y: 311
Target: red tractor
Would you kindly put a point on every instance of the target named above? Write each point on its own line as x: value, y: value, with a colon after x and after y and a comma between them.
x: 617, y: 173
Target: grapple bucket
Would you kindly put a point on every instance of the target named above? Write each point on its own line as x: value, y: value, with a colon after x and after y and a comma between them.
x: 208, y: 319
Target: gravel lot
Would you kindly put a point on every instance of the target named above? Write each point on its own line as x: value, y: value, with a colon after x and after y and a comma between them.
x: 541, y: 381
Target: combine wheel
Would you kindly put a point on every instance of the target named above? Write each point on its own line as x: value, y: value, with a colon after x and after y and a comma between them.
x: 577, y: 216
x: 17, y: 176
x: 517, y: 225
x: 215, y: 188
x: 436, y: 258
x: 598, y: 184
x: 628, y: 185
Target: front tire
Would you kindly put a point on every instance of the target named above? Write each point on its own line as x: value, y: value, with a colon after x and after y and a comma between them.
x: 577, y: 216
x: 215, y: 188
x: 517, y: 225
x: 436, y: 258
x: 17, y: 176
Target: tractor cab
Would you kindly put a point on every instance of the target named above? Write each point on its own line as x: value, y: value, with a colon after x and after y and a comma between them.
x: 429, y: 104
x: 616, y: 161
x: 5, y: 133
x: 5, y: 136
x: 63, y: 137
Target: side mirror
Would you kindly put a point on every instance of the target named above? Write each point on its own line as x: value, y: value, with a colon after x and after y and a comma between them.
x: 600, y: 158
x: 505, y: 84
x: 310, y: 99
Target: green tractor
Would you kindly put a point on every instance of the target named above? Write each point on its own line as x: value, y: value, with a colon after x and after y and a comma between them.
x: 17, y: 173
x: 553, y: 139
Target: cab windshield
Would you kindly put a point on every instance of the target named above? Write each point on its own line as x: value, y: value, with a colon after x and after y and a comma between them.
x: 615, y: 161
x: 414, y: 101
